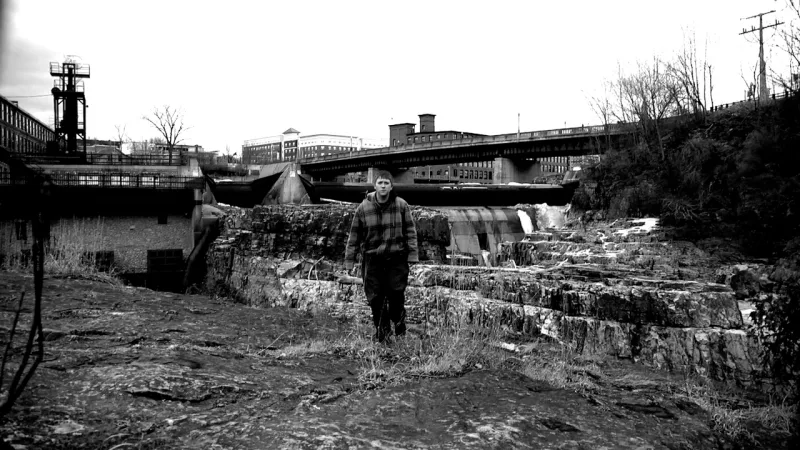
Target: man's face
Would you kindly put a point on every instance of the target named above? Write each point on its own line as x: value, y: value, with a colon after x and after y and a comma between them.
x: 382, y: 187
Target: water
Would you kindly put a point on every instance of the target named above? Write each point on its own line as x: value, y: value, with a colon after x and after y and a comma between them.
x: 477, y: 231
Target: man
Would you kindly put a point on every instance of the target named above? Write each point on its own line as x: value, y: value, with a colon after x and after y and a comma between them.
x: 385, y: 235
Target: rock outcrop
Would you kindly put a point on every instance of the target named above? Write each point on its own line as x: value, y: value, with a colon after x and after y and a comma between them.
x: 619, y: 290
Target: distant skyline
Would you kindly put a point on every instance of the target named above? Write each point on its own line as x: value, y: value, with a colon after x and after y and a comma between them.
x: 243, y: 70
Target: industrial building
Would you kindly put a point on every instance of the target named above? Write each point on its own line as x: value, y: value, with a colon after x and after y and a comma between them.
x: 139, y: 215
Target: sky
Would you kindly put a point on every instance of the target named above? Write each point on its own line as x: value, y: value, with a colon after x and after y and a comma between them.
x: 242, y: 70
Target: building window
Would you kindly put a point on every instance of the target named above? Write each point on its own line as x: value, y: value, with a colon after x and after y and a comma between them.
x: 167, y: 260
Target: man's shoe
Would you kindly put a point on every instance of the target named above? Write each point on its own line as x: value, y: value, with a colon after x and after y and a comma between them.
x: 382, y: 335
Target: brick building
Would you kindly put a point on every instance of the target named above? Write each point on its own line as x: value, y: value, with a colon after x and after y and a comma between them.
x: 137, y: 214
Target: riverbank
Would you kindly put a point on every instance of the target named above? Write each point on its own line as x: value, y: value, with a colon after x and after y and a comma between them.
x: 129, y: 367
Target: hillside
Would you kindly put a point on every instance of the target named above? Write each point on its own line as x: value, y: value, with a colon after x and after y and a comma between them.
x: 735, y: 175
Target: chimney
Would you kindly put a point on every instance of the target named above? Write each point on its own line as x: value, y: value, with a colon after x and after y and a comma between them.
x: 426, y: 123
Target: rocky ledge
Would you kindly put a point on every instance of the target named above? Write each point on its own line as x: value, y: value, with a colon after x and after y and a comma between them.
x: 619, y: 288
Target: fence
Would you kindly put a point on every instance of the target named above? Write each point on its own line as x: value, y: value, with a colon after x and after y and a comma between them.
x: 110, y: 180
x: 175, y: 159
x: 754, y: 102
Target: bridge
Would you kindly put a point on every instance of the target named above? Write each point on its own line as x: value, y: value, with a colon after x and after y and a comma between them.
x: 512, y: 147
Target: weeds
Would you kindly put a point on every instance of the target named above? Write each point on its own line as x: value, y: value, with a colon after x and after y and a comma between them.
x: 73, y: 248
x: 737, y: 421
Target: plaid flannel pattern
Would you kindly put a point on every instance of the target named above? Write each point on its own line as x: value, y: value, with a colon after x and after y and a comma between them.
x: 382, y: 230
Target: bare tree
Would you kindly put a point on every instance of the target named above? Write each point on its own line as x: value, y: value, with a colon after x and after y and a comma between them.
x: 751, y: 83
x: 169, y: 123
x: 790, y: 44
x: 228, y: 155
x: 694, y: 77
x: 646, y: 97
x: 120, y: 134
x: 601, y: 105
x: 33, y: 351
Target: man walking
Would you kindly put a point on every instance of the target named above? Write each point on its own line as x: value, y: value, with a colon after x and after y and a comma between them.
x: 385, y: 235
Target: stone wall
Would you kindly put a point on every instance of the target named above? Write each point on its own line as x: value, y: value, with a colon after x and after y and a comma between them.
x: 316, y: 232
x: 257, y: 246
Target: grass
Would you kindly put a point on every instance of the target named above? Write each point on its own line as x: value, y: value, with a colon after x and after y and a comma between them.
x: 450, y: 349
x: 737, y: 421
x: 71, y: 250
x: 458, y: 347
x: 435, y: 352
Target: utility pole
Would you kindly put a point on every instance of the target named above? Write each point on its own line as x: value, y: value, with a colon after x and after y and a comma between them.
x: 763, y: 94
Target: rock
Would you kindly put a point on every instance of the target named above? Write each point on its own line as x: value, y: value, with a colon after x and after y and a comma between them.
x: 629, y: 300
x: 616, y: 289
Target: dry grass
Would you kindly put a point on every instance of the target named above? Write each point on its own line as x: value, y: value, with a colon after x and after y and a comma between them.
x: 737, y: 421
x: 71, y: 249
x: 560, y: 366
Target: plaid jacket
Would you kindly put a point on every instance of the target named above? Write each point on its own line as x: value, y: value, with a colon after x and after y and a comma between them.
x: 382, y: 229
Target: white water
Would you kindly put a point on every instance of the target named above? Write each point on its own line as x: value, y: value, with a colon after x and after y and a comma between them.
x: 525, y: 221
x: 479, y: 231
x: 548, y: 217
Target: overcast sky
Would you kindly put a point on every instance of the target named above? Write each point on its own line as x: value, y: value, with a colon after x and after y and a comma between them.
x: 244, y: 69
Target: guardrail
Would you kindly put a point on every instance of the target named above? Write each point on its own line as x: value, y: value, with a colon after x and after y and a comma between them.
x: 786, y: 93
x: 110, y: 180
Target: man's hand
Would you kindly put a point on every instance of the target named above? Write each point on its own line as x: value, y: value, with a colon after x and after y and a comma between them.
x: 347, y: 279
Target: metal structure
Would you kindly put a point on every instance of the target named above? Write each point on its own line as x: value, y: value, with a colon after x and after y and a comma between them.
x: 536, y: 144
x: 763, y: 92
x: 69, y: 103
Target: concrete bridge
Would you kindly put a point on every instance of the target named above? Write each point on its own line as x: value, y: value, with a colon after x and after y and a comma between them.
x: 515, y: 156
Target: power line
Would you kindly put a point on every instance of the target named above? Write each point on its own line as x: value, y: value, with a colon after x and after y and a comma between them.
x: 762, y: 94
x: 27, y: 96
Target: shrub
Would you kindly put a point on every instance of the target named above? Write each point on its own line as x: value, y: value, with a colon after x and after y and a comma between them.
x: 777, y: 318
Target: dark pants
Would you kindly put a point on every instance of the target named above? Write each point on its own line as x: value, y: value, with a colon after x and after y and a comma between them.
x: 385, y: 281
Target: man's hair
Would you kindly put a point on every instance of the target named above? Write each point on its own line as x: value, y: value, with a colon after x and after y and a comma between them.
x: 385, y: 174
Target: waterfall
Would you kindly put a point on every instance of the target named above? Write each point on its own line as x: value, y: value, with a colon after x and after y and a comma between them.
x: 475, y: 232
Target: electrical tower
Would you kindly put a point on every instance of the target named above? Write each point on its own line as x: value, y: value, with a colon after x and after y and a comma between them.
x: 763, y: 92
x: 69, y: 103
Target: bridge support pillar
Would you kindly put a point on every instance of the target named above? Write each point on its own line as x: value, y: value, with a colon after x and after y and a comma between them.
x: 507, y: 170
x: 288, y: 189
x: 197, y: 211
x: 401, y: 176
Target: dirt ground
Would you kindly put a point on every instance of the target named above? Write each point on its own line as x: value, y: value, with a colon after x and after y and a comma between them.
x: 133, y: 368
